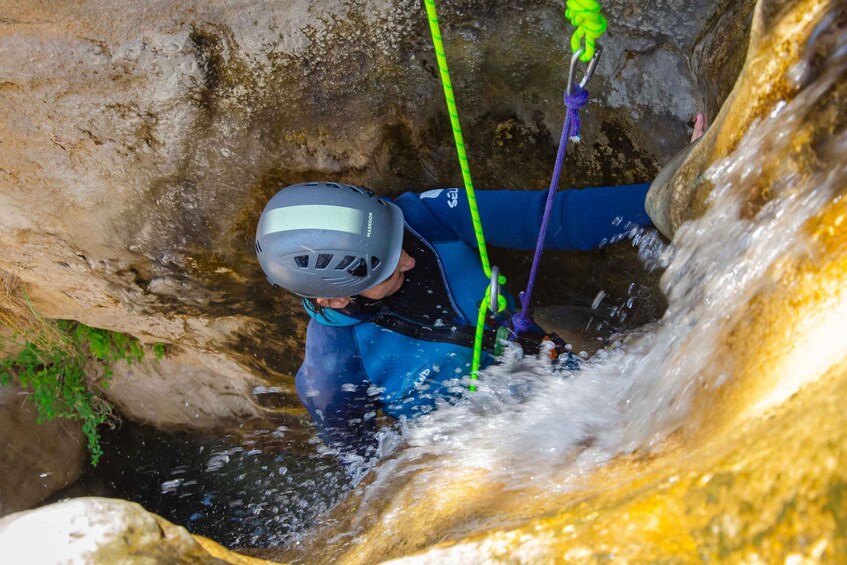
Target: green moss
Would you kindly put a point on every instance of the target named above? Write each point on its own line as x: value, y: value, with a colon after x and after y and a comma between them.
x: 56, y: 375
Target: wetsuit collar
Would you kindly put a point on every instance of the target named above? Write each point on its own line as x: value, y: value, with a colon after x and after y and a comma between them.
x: 330, y: 317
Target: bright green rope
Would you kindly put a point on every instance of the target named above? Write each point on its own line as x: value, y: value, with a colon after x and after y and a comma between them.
x: 466, y: 177
x: 590, y: 24
x: 457, y: 132
x: 480, y: 326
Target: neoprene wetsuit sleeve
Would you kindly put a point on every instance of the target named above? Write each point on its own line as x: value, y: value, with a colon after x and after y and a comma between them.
x: 333, y: 387
x: 581, y: 219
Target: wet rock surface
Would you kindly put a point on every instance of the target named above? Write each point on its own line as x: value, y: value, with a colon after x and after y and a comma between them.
x: 211, y: 389
x: 36, y: 460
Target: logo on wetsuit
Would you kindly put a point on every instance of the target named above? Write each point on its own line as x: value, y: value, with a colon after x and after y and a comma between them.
x: 452, y: 196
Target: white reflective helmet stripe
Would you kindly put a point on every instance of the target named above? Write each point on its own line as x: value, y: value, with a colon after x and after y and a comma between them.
x: 312, y: 217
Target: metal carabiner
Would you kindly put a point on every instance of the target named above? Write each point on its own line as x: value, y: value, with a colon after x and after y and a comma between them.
x: 494, y: 300
x: 589, y: 72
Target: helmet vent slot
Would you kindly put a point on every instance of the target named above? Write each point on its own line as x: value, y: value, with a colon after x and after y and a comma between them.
x: 361, y: 190
x: 258, y: 247
x: 323, y: 261
x: 359, y: 268
x: 375, y: 262
x: 302, y: 261
x: 345, y: 263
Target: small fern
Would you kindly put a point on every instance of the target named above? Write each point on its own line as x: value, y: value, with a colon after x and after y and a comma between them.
x: 56, y: 375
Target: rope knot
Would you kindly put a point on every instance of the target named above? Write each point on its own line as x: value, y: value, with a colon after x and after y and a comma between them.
x: 523, y: 321
x: 575, y: 102
x: 521, y: 324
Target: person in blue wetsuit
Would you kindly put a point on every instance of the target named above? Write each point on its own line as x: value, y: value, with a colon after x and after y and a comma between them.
x: 393, y: 287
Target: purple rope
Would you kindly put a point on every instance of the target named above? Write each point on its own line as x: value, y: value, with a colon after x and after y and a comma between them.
x: 570, y: 130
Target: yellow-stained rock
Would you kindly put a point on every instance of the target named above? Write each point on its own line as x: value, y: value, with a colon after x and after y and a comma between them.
x: 780, y: 61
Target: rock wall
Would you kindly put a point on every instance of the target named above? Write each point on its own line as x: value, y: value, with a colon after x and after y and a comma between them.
x: 140, y: 142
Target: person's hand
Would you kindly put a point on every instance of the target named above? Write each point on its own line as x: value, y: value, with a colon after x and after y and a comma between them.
x: 560, y: 346
x: 536, y: 340
x: 699, y: 127
x: 560, y: 354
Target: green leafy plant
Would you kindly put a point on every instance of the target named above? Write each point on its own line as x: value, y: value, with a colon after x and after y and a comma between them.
x: 56, y: 374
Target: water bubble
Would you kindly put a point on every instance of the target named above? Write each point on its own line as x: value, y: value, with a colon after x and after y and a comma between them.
x: 171, y: 486
x: 598, y: 299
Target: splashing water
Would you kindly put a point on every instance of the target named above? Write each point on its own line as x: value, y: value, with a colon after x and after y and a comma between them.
x: 532, y: 425
x: 248, y: 490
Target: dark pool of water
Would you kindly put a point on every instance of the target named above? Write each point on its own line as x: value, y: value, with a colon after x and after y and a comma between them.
x: 224, y: 488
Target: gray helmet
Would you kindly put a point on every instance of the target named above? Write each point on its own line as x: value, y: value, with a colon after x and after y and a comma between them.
x: 328, y: 240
